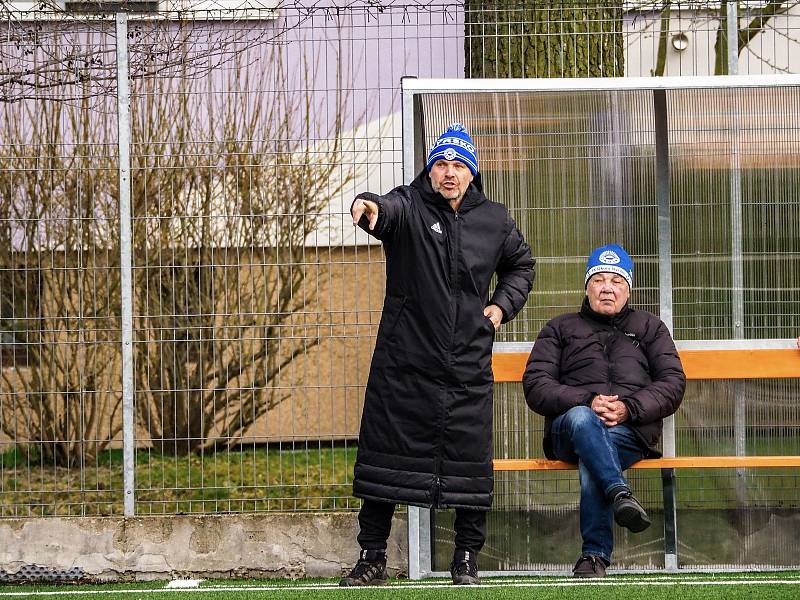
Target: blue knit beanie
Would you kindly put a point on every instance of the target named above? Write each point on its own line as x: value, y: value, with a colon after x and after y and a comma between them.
x: 610, y: 258
x: 454, y: 144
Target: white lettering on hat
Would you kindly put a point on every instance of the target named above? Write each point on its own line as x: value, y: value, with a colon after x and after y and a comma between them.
x: 609, y: 257
x: 453, y: 141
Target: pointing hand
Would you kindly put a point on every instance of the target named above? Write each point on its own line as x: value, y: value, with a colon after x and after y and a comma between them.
x: 365, y: 207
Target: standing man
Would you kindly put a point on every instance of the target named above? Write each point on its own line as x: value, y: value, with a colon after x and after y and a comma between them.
x: 604, y: 378
x: 426, y: 430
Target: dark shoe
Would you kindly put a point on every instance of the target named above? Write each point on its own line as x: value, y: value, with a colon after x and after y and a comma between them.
x: 589, y: 565
x: 369, y: 570
x: 628, y: 512
x: 464, y: 568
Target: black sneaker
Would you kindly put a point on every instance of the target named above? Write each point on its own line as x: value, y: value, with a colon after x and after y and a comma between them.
x: 369, y: 570
x: 628, y: 512
x: 464, y: 568
x: 589, y: 565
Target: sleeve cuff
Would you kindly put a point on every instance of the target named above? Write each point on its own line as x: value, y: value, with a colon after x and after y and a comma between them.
x: 631, y: 414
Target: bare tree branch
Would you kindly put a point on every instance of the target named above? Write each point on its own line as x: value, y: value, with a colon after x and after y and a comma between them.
x: 75, y: 55
x: 759, y: 21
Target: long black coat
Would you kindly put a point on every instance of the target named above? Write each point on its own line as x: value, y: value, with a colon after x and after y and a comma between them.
x: 579, y: 355
x: 426, y: 429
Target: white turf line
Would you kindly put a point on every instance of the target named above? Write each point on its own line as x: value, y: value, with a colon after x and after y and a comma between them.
x: 184, y: 583
x: 687, y: 578
x: 399, y: 588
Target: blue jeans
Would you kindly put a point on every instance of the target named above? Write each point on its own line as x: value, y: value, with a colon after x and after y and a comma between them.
x: 602, y: 454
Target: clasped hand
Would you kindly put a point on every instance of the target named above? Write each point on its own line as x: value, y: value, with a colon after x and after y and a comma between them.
x: 611, y: 410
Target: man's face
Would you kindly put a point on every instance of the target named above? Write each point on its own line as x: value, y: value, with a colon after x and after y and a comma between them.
x: 450, y: 178
x: 607, y: 293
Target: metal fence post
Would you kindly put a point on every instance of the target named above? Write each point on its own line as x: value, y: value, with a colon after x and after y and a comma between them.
x: 419, y: 519
x: 666, y: 313
x: 126, y: 276
x: 737, y: 250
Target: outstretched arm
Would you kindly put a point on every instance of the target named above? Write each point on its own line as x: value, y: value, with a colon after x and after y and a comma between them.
x: 380, y: 216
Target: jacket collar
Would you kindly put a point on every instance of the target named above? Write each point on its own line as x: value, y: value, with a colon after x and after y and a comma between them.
x: 472, y: 197
x: 613, y: 320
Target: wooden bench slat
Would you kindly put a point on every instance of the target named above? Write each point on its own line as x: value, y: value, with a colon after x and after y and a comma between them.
x: 769, y: 363
x: 680, y: 462
x: 509, y: 366
x: 741, y: 364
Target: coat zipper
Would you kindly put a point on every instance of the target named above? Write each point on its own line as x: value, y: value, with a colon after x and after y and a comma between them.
x: 611, y: 336
x: 454, y: 279
x: 453, y: 292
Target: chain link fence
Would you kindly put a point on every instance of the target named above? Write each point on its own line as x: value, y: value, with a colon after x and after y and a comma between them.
x: 253, y: 302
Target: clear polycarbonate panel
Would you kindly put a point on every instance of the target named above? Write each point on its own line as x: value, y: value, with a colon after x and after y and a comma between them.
x: 717, y: 137
x: 577, y: 169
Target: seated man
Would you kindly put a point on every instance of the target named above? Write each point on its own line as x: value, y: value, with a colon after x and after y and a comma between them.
x: 604, y: 378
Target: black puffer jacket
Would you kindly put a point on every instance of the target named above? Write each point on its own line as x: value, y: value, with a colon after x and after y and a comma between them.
x: 579, y: 355
x: 426, y: 429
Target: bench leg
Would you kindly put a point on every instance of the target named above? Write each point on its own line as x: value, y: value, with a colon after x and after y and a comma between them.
x: 670, y: 520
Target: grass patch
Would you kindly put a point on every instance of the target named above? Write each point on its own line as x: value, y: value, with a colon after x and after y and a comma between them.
x: 308, y: 478
x: 263, y: 478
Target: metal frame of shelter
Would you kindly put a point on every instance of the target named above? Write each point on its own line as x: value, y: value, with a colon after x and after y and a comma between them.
x: 419, y: 520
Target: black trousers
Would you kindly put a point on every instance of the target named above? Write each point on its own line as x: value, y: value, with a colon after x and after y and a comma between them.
x: 375, y: 521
